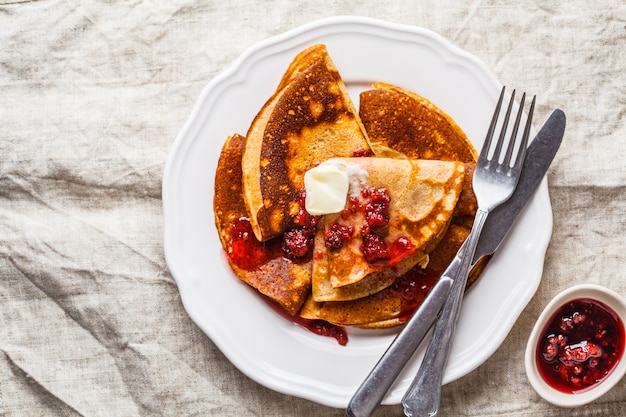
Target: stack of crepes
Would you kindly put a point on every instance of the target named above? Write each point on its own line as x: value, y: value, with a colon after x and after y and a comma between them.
x: 415, y: 167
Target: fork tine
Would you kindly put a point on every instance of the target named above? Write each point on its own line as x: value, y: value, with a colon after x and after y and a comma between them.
x: 505, y: 123
x: 509, y: 151
x: 492, y: 127
x: 519, y: 160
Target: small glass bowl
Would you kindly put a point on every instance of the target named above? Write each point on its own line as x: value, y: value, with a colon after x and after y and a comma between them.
x: 584, y: 291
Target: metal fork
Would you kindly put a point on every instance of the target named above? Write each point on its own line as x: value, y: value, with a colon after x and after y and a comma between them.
x: 494, y: 182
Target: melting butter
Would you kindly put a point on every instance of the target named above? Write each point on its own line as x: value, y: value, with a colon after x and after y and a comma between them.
x: 327, y: 186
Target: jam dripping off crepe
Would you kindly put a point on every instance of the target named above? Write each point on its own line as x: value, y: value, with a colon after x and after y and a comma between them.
x: 310, y: 119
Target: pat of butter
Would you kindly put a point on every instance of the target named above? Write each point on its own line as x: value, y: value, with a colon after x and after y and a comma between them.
x: 326, y: 189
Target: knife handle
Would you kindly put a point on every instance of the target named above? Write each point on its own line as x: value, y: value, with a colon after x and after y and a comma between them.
x: 371, y: 392
x: 422, y: 396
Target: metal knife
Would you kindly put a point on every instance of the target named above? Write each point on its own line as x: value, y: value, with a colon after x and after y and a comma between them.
x: 539, y: 156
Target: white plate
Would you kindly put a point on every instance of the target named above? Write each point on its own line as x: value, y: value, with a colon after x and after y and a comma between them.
x: 265, y: 346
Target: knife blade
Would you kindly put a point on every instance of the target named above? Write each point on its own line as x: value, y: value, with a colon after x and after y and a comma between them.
x: 539, y: 156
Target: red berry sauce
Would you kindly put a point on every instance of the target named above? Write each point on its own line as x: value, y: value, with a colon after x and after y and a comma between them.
x: 249, y: 254
x: 245, y: 251
x: 373, y: 206
x: 319, y: 327
x: 399, y: 249
x: 362, y: 153
x: 580, y: 346
x: 337, y: 234
x: 412, y: 288
x: 298, y: 242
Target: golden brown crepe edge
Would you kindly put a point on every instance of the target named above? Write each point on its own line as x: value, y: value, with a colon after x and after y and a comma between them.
x: 282, y: 280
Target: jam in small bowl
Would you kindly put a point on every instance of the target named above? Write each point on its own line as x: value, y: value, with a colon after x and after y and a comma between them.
x: 575, y: 352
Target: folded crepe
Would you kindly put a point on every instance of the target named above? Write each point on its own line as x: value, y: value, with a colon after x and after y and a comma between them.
x: 395, y: 304
x: 422, y: 195
x: 262, y: 265
x: 403, y: 124
x: 309, y: 119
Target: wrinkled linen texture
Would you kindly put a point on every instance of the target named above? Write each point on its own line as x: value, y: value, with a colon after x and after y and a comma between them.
x: 92, y: 96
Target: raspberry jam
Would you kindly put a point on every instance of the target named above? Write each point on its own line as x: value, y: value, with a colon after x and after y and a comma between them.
x: 298, y: 242
x: 248, y: 253
x: 362, y: 153
x: 319, y: 327
x: 245, y: 251
x: 580, y: 346
x: 369, y: 213
x: 411, y: 289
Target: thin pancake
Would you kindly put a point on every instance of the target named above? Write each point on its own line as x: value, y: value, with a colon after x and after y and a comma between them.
x: 311, y: 118
x: 391, y: 306
x: 322, y: 289
x: 423, y: 195
x: 261, y: 265
x: 401, y: 123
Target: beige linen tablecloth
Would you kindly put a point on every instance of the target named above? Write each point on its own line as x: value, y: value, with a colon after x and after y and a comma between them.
x: 92, y: 95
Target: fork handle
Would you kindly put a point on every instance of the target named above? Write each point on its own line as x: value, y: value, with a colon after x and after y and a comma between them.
x: 369, y: 395
x: 422, y: 396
